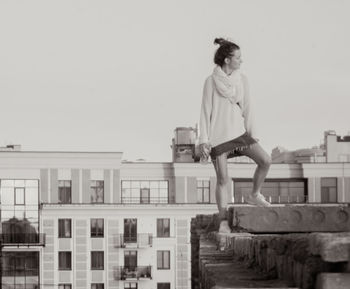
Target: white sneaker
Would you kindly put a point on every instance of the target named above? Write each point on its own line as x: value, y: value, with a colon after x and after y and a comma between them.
x: 258, y: 200
x: 224, y: 227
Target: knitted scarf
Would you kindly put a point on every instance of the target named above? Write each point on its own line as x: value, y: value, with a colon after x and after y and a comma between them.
x: 228, y: 86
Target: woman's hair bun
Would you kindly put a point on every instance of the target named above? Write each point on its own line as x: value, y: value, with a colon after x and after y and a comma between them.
x: 219, y: 41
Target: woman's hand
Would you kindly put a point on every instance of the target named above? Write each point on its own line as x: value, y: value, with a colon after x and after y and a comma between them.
x: 204, y: 150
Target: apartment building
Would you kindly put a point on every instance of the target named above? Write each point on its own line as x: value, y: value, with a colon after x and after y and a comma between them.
x: 334, y: 149
x: 90, y: 220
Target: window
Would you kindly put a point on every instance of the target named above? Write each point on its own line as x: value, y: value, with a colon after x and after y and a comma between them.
x: 275, y: 190
x: 65, y: 192
x: 163, y: 285
x: 64, y: 260
x: 130, y: 260
x: 130, y: 285
x: 130, y: 230
x: 19, y: 200
x: 64, y: 286
x: 145, y: 196
x: 163, y: 228
x: 97, y: 260
x: 64, y: 228
x: 97, y: 228
x: 328, y: 190
x: 97, y: 286
x: 19, y: 196
x: 163, y: 259
x: 203, y: 191
x: 97, y: 191
x: 145, y: 192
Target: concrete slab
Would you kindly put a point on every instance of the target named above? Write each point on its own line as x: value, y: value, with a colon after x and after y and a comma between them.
x: 221, y: 269
x: 333, y: 281
x: 291, y: 218
x: 332, y: 247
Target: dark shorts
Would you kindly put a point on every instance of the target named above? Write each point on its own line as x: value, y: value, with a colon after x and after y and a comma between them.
x: 233, y: 147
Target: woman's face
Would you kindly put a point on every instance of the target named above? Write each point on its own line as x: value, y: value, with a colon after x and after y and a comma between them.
x: 234, y: 62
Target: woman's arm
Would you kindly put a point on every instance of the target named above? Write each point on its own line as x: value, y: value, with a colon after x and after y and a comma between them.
x: 205, y: 114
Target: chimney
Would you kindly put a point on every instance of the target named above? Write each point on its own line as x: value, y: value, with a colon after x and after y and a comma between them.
x: 11, y: 148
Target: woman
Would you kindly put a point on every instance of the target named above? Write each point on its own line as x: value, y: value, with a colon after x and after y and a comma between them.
x: 227, y: 127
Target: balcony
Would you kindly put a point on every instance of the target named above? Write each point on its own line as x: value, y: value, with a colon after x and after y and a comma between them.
x: 23, y: 239
x: 145, y: 200
x: 137, y: 241
x: 133, y: 273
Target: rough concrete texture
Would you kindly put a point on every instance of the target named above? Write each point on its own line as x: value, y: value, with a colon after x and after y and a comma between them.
x: 288, y: 256
x: 291, y: 218
x: 221, y: 270
x: 332, y: 247
x: 333, y: 281
x: 296, y: 257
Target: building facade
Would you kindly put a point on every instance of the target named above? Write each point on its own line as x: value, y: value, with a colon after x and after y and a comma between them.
x: 91, y: 220
x: 333, y: 150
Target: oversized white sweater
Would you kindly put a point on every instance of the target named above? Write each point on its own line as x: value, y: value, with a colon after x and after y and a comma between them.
x: 220, y: 120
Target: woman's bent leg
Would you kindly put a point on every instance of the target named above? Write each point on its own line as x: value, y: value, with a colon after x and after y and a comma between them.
x: 220, y: 165
x: 263, y: 160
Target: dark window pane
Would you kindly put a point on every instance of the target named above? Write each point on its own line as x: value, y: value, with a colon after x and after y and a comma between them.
x: 97, y: 228
x: 163, y: 259
x: 64, y: 260
x: 276, y: 191
x: 64, y: 228
x: 64, y: 286
x: 163, y: 285
x: 64, y: 192
x: 97, y: 191
x: 97, y: 260
x: 163, y: 227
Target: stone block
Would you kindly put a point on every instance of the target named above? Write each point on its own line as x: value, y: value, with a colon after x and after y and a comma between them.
x: 291, y: 218
x: 332, y: 247
x: 333, y: 281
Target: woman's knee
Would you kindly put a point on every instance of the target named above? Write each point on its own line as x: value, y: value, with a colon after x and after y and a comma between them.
x: 265, y: 161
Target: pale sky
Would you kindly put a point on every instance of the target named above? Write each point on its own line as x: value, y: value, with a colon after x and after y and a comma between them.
x: 78, y: 75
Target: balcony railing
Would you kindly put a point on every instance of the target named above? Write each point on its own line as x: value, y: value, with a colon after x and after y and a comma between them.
x: 23, y: 239
x: 137, y: 241
x: 279, y: 199
x: 133, y: 273
x: 145, y: 200
x: 20, y: 272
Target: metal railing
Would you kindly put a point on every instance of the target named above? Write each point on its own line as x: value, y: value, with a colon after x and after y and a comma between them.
x: 22, y: 239
x: 19, y: 273
x: 133, y: 272
x: 140, y: 200
x: 280, y: 199
x: 137, y: 241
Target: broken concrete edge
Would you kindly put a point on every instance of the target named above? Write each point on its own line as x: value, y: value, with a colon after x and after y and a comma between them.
x: 333, y: 281
x: 331, y: 247
x: 282, y: 219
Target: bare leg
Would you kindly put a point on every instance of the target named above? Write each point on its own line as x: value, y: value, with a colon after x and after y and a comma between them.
x: 220, y: 165
x: 263, y: 160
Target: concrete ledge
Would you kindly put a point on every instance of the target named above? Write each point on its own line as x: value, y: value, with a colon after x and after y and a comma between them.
x: 291, y: 218
x: 333, y: 281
